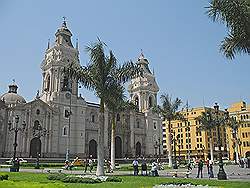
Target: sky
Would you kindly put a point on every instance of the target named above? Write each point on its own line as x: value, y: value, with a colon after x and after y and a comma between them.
x: 177, y: 37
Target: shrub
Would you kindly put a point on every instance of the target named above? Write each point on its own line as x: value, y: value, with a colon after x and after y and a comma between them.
x: 4, y: 177
x: 56, y: 176
x: 73, y: 179
x: 114, y: 179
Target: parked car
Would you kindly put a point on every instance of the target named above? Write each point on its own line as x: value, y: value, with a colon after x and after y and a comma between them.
x: 21, y: 160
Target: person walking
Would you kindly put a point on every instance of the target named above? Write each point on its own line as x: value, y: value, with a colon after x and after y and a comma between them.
x: 144, y: 167
x: 154, y: 170
x: 211, y: 173
x: 208, y: 168
x: 91, y: 164
x: 135, y: 166
x: 86, y: 162
x: 200, y: 167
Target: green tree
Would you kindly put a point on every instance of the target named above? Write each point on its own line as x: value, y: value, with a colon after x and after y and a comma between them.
x: 236, y: 15
x: 207, y: 123
x: 102, y: 75
x: 234, y: 125
x: 116, y: 104
x: 168, y: 111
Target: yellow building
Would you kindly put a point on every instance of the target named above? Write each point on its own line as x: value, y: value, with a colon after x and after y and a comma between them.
x: 189, y: 139
x: 241, y: 112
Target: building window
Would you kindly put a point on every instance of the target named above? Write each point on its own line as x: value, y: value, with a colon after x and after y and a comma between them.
x: 37, y: 112
x: 66, y: 113
x: 64, y: 131
x: 155, y: 126
x: 137, y: 101
x: 118, y: 117
x: 92, y: 118
x: 137, y: 124
x: 150, y: 102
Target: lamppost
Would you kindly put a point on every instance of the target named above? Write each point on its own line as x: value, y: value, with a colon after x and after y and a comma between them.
x: 221, y: 174
x: 15, y: 129
x: 38, y: 132
x: 67, y: 115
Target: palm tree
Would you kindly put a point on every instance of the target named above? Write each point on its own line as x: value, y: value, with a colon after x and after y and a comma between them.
x: 234, y: 125
x: 169, y: 112
x: 236, y: 15
x: 102, y: 75
x: 117, y: 103
x: 207, y: 123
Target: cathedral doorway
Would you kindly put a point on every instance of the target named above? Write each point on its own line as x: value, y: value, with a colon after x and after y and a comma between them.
x: 118, y: 147
x: 93, y: 148
x: 138, y: 149
x: 35, y: 147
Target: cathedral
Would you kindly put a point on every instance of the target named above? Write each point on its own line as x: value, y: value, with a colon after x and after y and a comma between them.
x: 60, y: 121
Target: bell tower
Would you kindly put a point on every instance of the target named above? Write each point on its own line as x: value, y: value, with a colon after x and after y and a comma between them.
x: 143, y: 89
x: 61, y: 54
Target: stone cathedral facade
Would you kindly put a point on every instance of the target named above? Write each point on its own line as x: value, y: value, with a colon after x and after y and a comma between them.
x: 59, y: 119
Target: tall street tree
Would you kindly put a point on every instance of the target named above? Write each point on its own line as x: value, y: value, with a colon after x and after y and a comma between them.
x: 116, y: 104
x: 235, y: 14
x: 100, y: 76
x: 207, y: 123
x: 168, y: 111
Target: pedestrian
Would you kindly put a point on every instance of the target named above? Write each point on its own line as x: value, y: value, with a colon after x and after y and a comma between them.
x: 200, y: 167
x: 135, y: 166
x: 248, y: 162
x: 86, y: 163
x: 144, y: 167
x: 211, y: 173
x: 189, y: 166
x: 154, y: 170
x: 207, y: 164
x: 91, y: 164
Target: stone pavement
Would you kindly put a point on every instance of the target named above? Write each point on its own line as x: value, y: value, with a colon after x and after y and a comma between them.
x: 234, y: 172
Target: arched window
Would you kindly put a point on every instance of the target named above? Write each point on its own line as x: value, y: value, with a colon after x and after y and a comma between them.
x: 150, y: 102
x: 47, y: 84
x: 36, y: 125
x: 118, y: 118
x: 64, y: 131
x: 137, y: 101
x: 92, y: 118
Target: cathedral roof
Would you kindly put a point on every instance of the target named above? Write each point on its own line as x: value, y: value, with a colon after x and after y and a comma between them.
x: 12, y: 97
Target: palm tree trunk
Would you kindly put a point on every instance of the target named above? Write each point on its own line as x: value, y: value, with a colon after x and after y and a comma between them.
x: 100, y: 146
x: 236, y: 148
x: 113, y: 143
x: 211, y: 147
x: 170, y: 162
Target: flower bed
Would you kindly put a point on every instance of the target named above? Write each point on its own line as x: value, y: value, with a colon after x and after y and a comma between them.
x: 90, y: 179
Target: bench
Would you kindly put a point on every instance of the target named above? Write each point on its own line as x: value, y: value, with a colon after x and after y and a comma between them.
x: 177, y: 173
x: 53, y: 170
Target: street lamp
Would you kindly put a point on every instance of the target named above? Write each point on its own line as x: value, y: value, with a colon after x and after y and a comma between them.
x: 15, y: 129
x: 203, y: 150
x: 221, y: 174
x: 38, y: 132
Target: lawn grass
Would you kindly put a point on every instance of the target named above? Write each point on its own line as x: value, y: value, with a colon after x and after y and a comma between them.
x: 33, y: 180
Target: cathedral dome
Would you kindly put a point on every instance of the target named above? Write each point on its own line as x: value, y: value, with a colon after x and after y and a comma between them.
x: 12, y: 97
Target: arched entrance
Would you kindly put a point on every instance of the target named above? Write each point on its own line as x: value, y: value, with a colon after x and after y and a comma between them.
x: 138, y: 149
x: 35, y: 147
x: 118, y: 147
x: 93, y: 148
